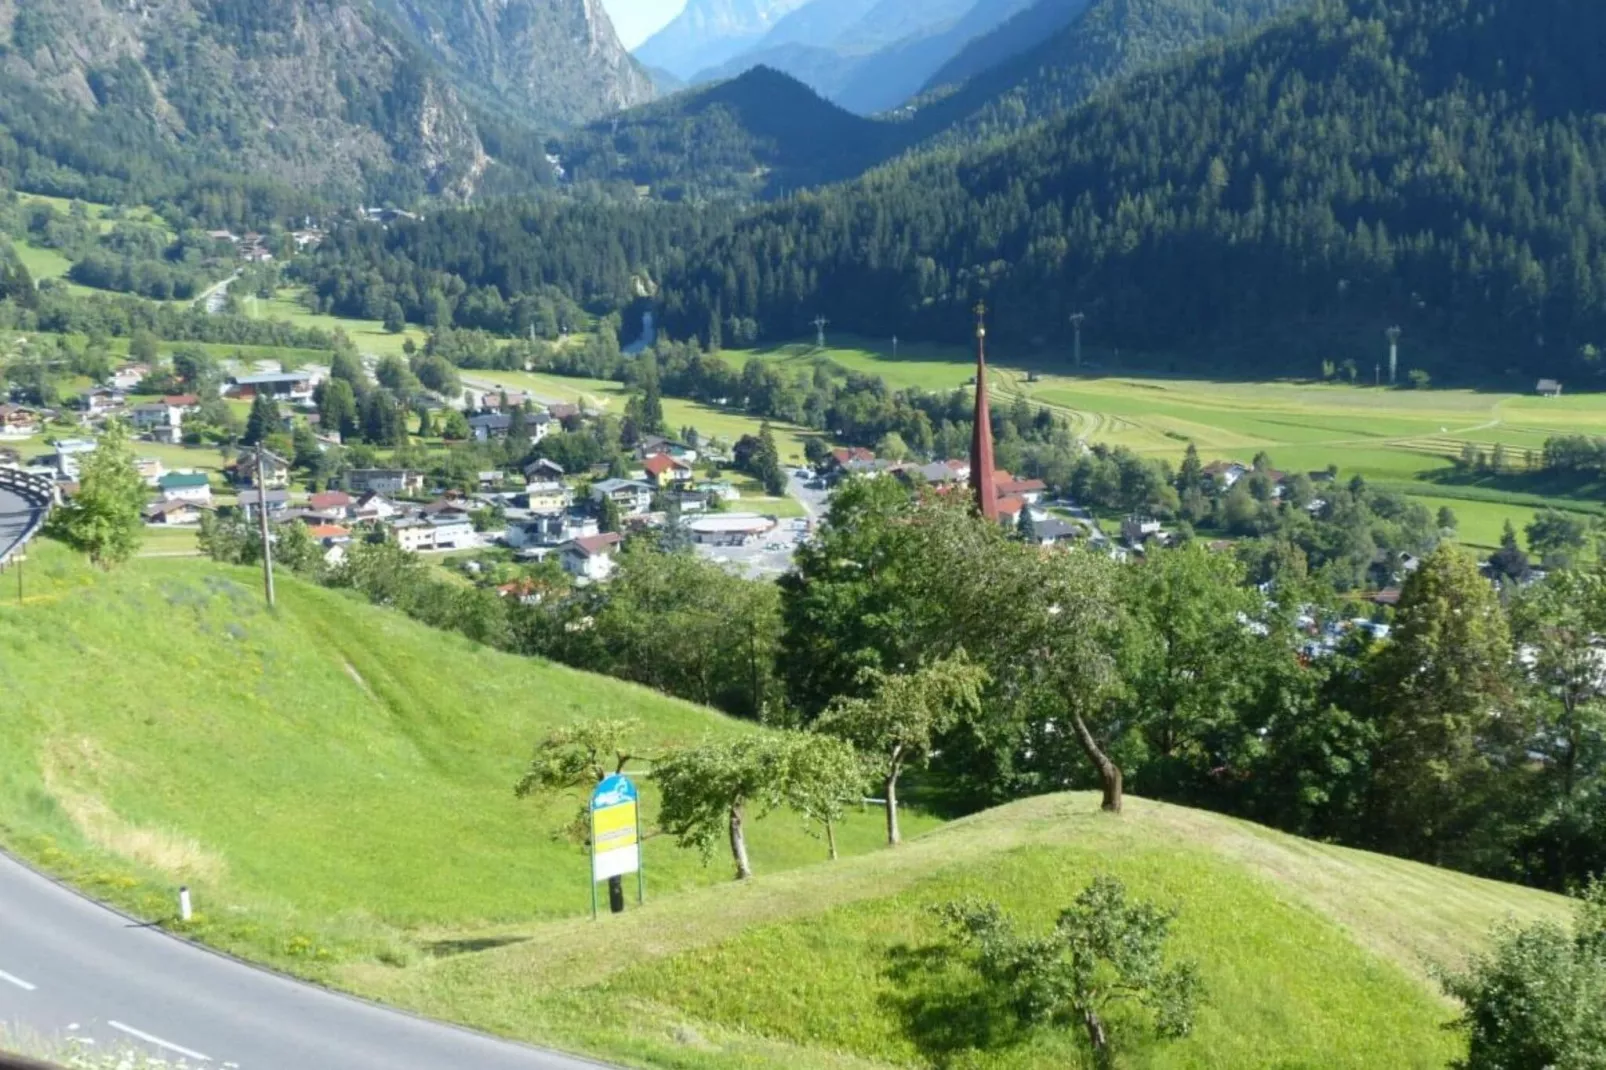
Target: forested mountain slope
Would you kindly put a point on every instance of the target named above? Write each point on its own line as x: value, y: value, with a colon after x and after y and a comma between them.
x: 122, y: 102
x: 1022, y: 32
x: 1081, y: 46
x: 1437, y: 164
x: 754, y: 135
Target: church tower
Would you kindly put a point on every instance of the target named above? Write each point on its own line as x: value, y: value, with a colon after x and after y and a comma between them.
x: 983, y: 480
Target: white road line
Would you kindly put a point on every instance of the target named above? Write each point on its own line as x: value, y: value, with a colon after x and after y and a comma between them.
x: 19, y: 982
x: 158, y: 1041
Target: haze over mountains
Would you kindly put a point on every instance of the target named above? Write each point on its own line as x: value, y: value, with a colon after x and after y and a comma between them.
x: 866, y: 57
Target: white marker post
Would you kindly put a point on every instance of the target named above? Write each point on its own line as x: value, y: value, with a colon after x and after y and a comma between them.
x: 184, y: 911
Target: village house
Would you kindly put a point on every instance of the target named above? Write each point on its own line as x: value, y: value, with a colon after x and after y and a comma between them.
x: 413, y: 535
x: 1548, y: 388
x: 185, y: 487
x: 543, y: 473
x: 549, y: 529
x: 163, y: 421
x: 1137, y: 530
x: 332, y: 502
x: 1223, y: 475
x: 276, y: 501
x: 1031, y: 491
x: 453, y: 531
x: 390, y: 481
x: 563, y: 413
x: 175, y: 512
x: 544, y: 498
x: 591, y: 558
x: 289, y: 386
x: 632, y: 497
x: 103, y: 401
x: 666, y: 472
x: 1054, y: 531
x: 128, y: 376
x: 275, y: 470
x: 150, y: 469
x: 18, y: 421
x: 68, y: 452
x: 372, y: 507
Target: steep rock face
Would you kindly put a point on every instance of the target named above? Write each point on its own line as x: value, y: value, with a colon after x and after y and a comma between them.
x: 320, y: 94
x: 547, y: 62
x: 709, y: 32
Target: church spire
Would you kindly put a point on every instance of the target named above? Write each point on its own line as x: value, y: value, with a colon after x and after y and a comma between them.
x: 982, y: 476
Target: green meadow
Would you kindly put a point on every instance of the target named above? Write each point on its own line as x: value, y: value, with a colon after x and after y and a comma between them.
x: 1311, y: 956
x: 369, y: 336
x: 163, y: 727
x: 1407, y: 438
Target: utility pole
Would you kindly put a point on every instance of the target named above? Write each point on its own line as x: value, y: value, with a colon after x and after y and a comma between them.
x: 820, y: 323
x: 894, y: 347
x: 1394, y: 354
x: 262, y: 523
x: 1076, y: 351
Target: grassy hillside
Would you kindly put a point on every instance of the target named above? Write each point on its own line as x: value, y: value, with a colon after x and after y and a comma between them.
x: 334, y: 781
x: 1312, y: 956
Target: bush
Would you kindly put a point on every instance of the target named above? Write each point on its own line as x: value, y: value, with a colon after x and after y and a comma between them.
x: 1538, y: 1000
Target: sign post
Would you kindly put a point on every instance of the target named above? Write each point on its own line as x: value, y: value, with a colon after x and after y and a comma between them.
x: 616, y: 840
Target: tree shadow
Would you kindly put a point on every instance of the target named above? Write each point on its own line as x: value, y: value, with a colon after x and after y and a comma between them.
x: 446, y: 948
x: 943, y: 1008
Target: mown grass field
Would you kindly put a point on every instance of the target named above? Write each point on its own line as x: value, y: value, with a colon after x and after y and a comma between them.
x: 1406, y: 437
x: 334, y: 781
x: 369, y: 336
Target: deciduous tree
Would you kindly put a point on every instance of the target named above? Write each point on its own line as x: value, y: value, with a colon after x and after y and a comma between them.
x: 1105, y: 950
x: 102, y: 519
x: 901, y: 717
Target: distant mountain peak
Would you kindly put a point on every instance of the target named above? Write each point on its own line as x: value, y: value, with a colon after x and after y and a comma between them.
x: 709, y: 32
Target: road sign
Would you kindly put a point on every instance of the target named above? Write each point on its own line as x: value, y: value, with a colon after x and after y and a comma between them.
x: 615, y: 835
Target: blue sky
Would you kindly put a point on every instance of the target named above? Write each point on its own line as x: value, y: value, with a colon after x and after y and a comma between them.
x: 637, y: 20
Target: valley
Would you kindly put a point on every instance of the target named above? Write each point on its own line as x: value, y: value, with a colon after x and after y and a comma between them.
x: 943, y: 535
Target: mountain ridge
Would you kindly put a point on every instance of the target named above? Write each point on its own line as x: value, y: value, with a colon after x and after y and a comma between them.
x: 333, y: 97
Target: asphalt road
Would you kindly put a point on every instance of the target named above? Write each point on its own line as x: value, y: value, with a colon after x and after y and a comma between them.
x: 17, y: 515
x: 66, y: 962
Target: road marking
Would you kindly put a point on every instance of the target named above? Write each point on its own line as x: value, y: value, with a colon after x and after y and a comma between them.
x: 19, y: 982
x: 159, y: 1042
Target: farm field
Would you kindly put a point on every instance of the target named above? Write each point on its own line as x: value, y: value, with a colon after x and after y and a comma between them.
x: 1405, y: 437
x: 710, y: 422
x: 221, y: 739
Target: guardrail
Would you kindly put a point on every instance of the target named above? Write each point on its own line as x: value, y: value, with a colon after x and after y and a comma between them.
x: 40, y: 490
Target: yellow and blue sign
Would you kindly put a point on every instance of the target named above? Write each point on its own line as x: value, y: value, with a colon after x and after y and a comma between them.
x: 615, y: 829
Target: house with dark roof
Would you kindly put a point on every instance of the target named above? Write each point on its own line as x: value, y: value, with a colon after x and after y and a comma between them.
x: 591, y: 558
x: 1548, y: 388
x: 630, y: 495
x: 275, y: 470
x: 277, y: 502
